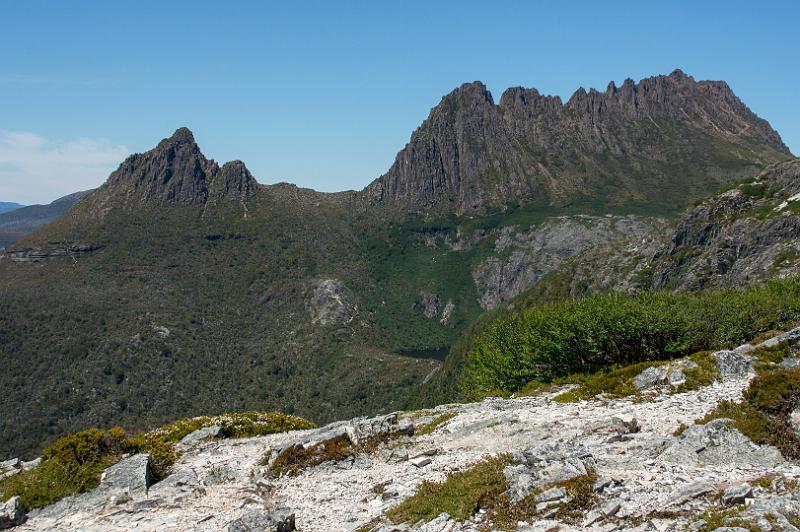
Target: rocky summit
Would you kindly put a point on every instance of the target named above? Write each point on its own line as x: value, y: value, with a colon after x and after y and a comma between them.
x: 643, y: 463
x: 628, y: 143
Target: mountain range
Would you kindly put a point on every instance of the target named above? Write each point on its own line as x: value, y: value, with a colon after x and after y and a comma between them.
x: 21, y: 221
x: 6, y: 206
x: 182, y: 286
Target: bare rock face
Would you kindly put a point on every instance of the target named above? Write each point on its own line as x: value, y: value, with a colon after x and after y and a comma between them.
x: 173, y: 173
x: 329, y: 302
x: 428, y: 304
x: 471, y: 154
x: 543, y: 465
x: 522, y: 258
x: 11, y: 513
x: 717, y: 443
x: 747, y: 233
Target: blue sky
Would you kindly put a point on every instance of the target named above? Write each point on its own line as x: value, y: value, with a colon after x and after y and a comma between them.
x: 323, y: 94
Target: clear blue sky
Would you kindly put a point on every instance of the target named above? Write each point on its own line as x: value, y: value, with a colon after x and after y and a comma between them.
x: 324, y: 94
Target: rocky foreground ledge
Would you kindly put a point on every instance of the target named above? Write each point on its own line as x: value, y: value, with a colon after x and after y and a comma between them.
x: 347, y: 475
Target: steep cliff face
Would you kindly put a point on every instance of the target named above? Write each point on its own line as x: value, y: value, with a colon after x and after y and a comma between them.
x: 627, y: 144
x: 749, y: 233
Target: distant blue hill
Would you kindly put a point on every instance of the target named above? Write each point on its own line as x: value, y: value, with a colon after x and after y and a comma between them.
x: 6, y: 206
x: 21, y: 221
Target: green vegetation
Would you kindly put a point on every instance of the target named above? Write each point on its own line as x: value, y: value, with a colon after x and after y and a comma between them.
x: 763, y: 415
x: 767, y: 358
x: 755, y: 190
x: 616, y: 382
x: 74, y: 463
x: 553, y: 341
x: 461, y: 494
x: 294, y: 460
x: 725, y: 517
x: 434, y: 424
x: 484, y: 487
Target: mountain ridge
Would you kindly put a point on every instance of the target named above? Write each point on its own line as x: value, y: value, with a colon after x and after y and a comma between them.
x: 471, y: 154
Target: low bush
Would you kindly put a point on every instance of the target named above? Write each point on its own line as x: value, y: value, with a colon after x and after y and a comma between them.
x: 294, y: 460
x: 553, y: 341
x: 461, y: 494
x: 74, y: 463
x: 763, y: 415
x: 616, y: 382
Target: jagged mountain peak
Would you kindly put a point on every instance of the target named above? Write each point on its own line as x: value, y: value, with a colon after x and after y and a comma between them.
x: 663, y: 140
x: 176, y: 172
x: 181, y: 135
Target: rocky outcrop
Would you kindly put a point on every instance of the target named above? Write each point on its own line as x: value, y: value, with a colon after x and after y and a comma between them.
x: 52, y: 251
x: 545, y: 465
x: 471, y: 154
x: 175, y: 172
x: 734, y: 238
x: 329, y: 302
x: 431, y: 306
x: 717, y: 443
x: 522, y: 257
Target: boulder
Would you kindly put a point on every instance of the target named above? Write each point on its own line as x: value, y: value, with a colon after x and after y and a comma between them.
x: 789, y: 336
x: 130, y: 475
x: 650, y: 377
x: 676, y: 377
x: 794, y: 419
x: 718, y: 443
x: 737, y: 494
x: 744, y: 349
x: 546, y: 464
x: 12, y: 513
x: 206, y: 433
x: 732, y: 365
x: 690, y: 491
x: 262, y: 520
